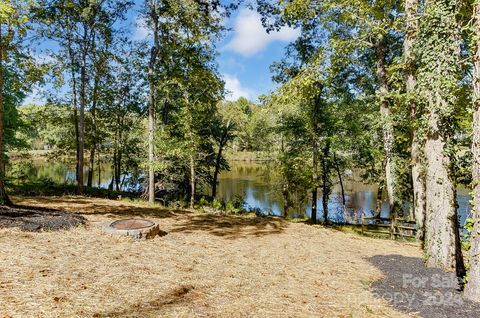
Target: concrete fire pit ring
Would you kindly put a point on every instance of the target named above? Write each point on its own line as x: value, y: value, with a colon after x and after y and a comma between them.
x: 138, y: 229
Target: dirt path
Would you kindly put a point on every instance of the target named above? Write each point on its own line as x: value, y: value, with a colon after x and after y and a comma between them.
x: 412, y: 288
x: 205, y: 266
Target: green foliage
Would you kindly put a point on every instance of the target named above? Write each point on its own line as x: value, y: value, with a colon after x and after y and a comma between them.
x: 337, y: 47
x: 468, y: 227
x: 335, y: 61
x: 19, y: 71
x: 21, y: 170
x: 235, y: 206
x: 49, y: 127
x: 438, y: 53
x: 217, y: 204
x: 253, y: 125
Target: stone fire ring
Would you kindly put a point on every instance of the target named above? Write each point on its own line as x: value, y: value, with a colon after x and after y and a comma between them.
x: 138, y: 229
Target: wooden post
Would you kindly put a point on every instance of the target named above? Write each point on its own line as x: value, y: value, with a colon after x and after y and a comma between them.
x: 392, y: 226
x: 362, y: 221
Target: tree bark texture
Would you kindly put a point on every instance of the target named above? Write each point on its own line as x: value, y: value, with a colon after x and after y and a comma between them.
x: 151, y: 102
x: 418, y: 177
x: 4, y: 199
x: 387, y: 129
x: 472, y: 289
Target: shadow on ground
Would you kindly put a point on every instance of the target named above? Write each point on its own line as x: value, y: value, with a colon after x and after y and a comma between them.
x: 36, y: 219
x: 411, y: 287
x: 180, y: 295
x: 185, y: 221
x: 230, y: 227
x: 88, y: 206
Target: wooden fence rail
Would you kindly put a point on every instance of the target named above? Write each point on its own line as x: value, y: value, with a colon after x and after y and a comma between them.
x: 392, y: 227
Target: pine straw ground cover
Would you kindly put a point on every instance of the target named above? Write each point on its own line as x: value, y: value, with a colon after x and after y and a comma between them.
x: 220, y: 266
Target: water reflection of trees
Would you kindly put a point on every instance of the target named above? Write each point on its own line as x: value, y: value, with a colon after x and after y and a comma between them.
x: 255, y: 182
x: 57, y: 171
x: 259, y: 183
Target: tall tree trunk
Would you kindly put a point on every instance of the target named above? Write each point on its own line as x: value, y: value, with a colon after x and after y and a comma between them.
x: 286, y: 198
x: 74, y: 104
x: 221, y: 145
x: 118, y: 162
x: 151, y: 101
x: 4, y: 199
x: 77, y: 138
x: 440, y: 75
x: 99, y: 164
x: 442, y: 241
x: 314, y: 116
x: 472, y: 289
x: 326, y: 187
x: 117, y: 157
x: 285, y: 190
x: 192, y: 182
x: 151, y: 149
x: 118, y: 171
x: 418, y: 178
x: 387, y: 129
x: 215, y: 177
x: 114, y: 165
x: 313, y: 217
x: 379, y: 199
x: 340, y: 179
x: 83, y: 102
x: 91, y: 165
x: 110, y: 185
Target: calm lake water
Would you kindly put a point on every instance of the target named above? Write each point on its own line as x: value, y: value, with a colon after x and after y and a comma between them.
x: 260, y: 190
x: 258, y: 184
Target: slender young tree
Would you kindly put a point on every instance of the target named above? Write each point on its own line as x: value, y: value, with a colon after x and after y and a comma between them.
x: 183, y: 33
x: 93, y: 111
x: 386, y: 113
x: 153, y: 7
x: 99, y: 56
x: 418, y: 177
x: 315, y: 144
x: 223, y: 134
x: 3, y: 194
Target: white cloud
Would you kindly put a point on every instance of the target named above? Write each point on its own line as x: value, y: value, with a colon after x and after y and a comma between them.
x: 250, y: 36
x: 233, y: 65
x: 43, y: 57
x: 235, y: 88
x: 141, y: 30
x: 34, y: 97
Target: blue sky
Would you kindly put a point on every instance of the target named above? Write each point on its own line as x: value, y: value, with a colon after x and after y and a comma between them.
x: 245, y: 53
